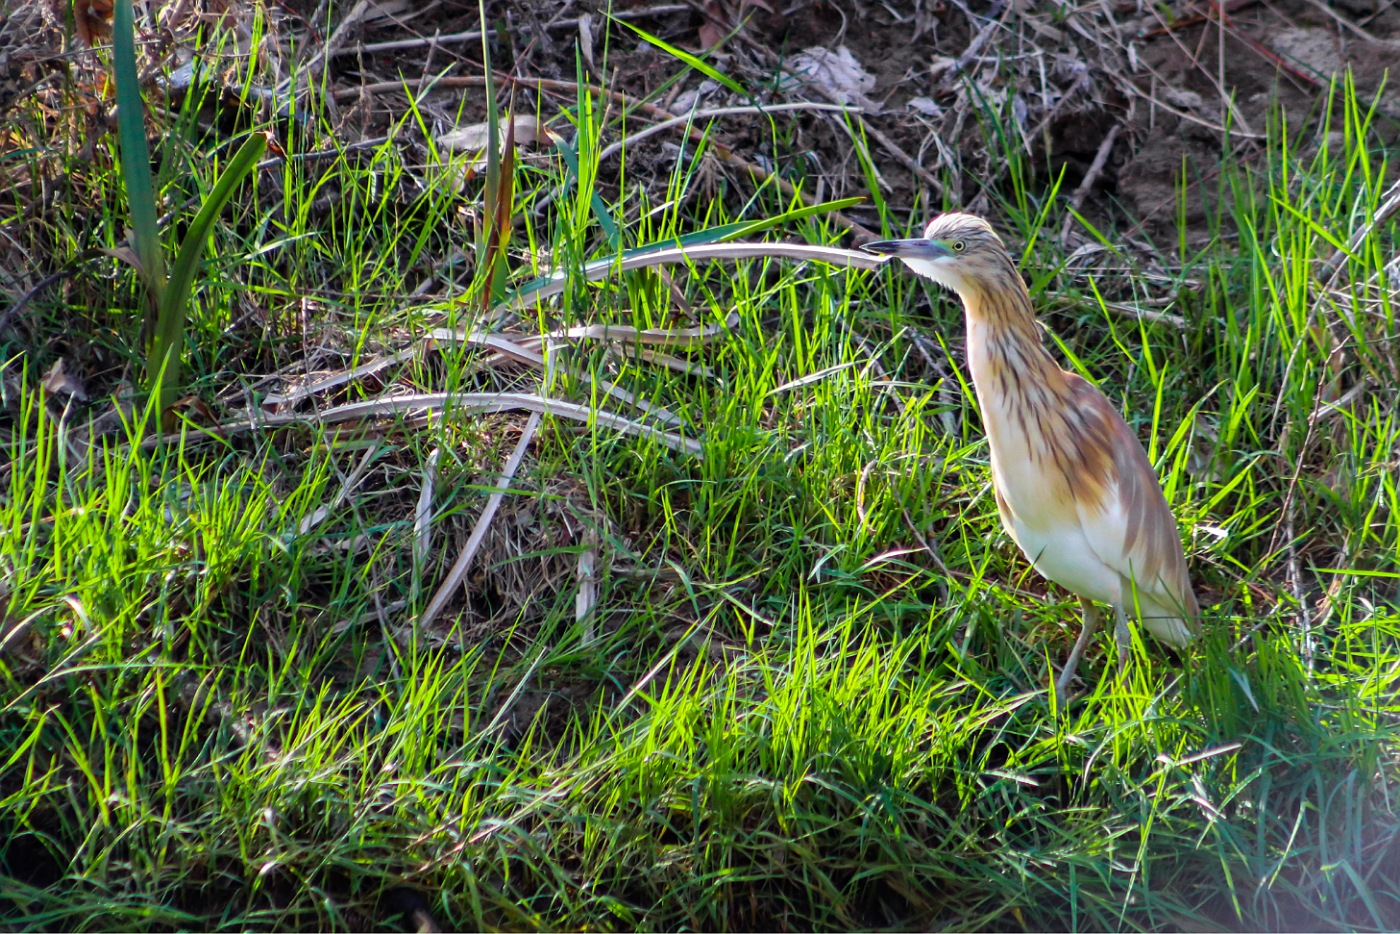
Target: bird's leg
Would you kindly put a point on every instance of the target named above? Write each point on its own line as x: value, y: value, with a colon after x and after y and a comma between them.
x: 1123, y: 637
x: 1091, y: 622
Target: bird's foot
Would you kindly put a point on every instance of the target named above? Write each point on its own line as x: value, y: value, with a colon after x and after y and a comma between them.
x: 1123, y: 637
x: 1062, y: 696
x: 1091, y: 622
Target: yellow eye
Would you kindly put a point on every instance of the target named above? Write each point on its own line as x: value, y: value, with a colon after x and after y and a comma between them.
x: 958, y: 246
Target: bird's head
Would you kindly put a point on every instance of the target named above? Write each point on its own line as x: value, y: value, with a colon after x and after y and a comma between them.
x: 960, y: 251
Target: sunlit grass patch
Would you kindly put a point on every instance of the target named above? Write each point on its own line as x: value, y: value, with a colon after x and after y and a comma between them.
x: 811, y: 690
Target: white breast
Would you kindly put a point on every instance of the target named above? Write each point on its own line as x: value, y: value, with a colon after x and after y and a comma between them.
x: 1047, y: 529
x: 1042, y: 517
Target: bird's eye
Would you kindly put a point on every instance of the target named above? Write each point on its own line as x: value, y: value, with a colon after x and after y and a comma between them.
x: 959, y: 246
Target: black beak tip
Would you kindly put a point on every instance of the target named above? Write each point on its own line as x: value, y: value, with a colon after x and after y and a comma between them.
x: 881, y: 247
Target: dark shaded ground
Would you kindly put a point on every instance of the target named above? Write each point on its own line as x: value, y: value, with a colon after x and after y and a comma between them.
x: 944, y: 79
x: 1125, y: 97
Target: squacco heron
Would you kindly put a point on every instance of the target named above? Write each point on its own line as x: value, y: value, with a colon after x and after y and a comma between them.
x: 1073, y: 485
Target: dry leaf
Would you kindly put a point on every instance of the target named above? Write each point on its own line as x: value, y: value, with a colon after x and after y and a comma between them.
x: 836, y: 74
x: 1186, y: 100
x: 939, y: 65
x: 58, y: 382
x: 528, y: 129
x: 585, y: 41
x: 587, y: 596
x: 711, y: 34
x: 92, y: 20
x: 687, y: 101
x: 196, y: 407
x: 1025, y: 9
x: 127, y: 255
x: 926, y: 106
x: 389, y: 12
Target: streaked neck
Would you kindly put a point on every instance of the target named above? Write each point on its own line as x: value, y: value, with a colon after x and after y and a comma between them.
x: 1004, y: 345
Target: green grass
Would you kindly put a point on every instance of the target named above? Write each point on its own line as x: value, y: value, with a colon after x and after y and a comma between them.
x: 781, y: 714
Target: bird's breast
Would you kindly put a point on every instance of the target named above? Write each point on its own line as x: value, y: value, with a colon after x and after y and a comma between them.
x: 1046, y: 477
x: 1044, y: 521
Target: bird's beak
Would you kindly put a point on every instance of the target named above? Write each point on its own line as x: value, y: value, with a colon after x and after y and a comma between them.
x: 914, y: 248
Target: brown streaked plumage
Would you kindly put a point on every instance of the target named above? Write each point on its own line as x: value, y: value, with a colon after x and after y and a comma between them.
x: 1073, y: 485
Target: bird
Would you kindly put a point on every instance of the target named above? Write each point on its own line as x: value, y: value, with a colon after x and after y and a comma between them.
x: 1073, y: 485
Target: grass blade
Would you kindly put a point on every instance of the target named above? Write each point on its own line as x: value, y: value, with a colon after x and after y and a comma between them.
x: 136, y: 156
x: 693, y: 61
x: 170, y: 324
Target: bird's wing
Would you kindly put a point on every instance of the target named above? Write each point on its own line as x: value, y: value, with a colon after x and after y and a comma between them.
x: 1132, y: 529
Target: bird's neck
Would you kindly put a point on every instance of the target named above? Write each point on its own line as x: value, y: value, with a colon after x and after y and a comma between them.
x: 1004, y: 346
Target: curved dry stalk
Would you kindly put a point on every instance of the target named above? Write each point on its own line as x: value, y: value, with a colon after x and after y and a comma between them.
x: 602, y: 269
x: 488, y: 512
x: 519, y: 350
x: 674, y: 338
x: 475, y: 402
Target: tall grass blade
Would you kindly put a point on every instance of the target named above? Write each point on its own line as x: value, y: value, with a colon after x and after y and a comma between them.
x: 170, y: 324
x: 136, y: 156
x: 699, y: 64
x: 491, y: 272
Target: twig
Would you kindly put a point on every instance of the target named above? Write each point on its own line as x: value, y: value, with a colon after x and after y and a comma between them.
x: 472, y: 35
x: 1329, y: 596
x: 326, y: 383
x: 477, y: 402
x: 1382, y: 7
x: 1342, y: 21
x: 1076, y: 201
x: 521, y: 348
x: 42, y: 284
x: 890, y: 145
x: 993, y: 17
x: 675, y: 338
x: 493, y: 502
x: 933, y: 556
x: 1333, y: 267
x: 555, y: 283
x: 587, y: 584
x: 517, y: 351
x: 1292, y: 490
x: 1227, y: 105
x: 1260, y: 49
x: 423, y: 521
x: 1331, y: 409
x: 712, y: 112
x: 1192, y: 19
x: 1080, y: 83
x: 1307, y: 638
x: 306, y: 74
x: 1135, y: 312
x: 909, y: 161
x: 347, y: 485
